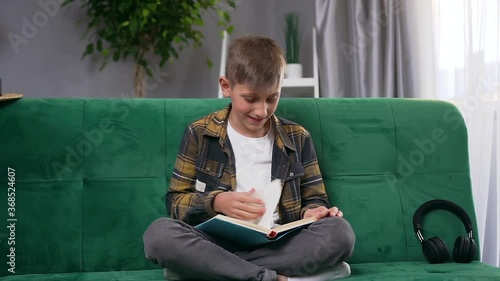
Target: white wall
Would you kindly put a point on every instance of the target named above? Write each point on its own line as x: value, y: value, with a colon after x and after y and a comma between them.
x: 47, y: 63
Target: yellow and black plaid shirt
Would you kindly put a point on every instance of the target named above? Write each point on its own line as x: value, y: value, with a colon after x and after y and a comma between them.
x: 205, y: 167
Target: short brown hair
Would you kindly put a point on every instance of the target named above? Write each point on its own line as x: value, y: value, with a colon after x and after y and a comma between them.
x: 256, y: 61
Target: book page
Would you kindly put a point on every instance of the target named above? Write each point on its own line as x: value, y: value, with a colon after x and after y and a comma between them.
x: 247, y: 224
x: 270, y: 194
x: 295, y: 224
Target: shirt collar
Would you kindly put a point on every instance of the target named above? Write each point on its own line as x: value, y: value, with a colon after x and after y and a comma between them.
x: 217, y: 127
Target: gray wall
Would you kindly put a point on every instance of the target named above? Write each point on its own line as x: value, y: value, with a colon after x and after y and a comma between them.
x: 46, y: 60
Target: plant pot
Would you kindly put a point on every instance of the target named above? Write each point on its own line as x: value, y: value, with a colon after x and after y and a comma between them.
x: 293, y: 70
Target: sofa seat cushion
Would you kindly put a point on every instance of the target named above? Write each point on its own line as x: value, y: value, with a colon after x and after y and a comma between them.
x: 135, y: 275
x: 416, y: 271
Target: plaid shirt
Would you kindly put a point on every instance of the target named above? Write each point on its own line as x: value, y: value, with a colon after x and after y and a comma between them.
x: 205, y: 167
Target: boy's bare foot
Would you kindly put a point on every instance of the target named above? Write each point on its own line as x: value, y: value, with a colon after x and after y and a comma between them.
x: 282, y: 278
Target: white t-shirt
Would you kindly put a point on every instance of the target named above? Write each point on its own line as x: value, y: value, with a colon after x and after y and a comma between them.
x: 253, y: 161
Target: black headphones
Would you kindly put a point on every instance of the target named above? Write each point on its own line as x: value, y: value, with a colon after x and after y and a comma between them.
x: 434, y: 249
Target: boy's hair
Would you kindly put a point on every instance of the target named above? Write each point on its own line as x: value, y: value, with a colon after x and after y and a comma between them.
x: 256, y: 61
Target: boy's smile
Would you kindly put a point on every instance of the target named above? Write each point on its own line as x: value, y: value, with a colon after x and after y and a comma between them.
x: 251, y: 109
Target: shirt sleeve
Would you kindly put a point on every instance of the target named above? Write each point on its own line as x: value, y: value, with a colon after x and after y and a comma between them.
x: 312, y: 188
x: 182, y: 200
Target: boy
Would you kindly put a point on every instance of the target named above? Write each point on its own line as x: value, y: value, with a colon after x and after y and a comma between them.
x: 221, y: 158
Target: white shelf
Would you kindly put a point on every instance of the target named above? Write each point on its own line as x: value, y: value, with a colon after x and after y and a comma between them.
x: 299, y: 86
x: 299, y: 82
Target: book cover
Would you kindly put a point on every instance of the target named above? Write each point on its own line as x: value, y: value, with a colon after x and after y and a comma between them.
x: 247, y: 233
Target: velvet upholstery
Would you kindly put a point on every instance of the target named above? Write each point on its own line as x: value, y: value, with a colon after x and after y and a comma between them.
x: 91, y: 175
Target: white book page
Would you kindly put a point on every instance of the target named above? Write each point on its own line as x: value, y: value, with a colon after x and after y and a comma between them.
x: 270, y: 194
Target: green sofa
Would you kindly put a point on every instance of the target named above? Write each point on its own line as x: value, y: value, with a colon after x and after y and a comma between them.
x: 91, y: 174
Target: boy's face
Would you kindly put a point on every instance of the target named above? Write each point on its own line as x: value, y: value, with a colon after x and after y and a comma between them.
x: 251, y: 109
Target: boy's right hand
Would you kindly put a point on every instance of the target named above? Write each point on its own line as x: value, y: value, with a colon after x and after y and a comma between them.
x: 240, y: 205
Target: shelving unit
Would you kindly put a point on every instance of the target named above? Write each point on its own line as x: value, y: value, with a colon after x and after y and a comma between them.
x: 223, y: 59
x: 298, y: 86
x: 299, y: 82
x: 291, y: 87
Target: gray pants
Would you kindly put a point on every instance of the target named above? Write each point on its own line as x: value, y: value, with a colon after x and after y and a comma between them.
x: 195, y: 255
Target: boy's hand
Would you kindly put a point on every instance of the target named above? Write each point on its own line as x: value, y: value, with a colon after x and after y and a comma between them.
x: 322, y: 212
x: 240, y: 205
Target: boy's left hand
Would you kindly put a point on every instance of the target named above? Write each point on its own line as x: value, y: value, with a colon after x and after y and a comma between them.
x: 322, y: 212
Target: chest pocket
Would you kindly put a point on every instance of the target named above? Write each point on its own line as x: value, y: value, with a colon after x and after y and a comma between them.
x: 296, y: 171
x: 209, y: 172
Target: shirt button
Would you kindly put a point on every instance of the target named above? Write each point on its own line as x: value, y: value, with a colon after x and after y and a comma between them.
x: 291, y: 174
x: 208, y: 169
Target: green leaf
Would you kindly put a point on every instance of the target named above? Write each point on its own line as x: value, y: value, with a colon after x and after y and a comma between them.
x: 105, y: 52
x: 226, y: 16
x: 149, y: 72
x: 144, y: 21
x: 143, y: 62
x: 199, y: 21
x: 153, y: 6
x: 116, y: 56
x: 133, y: 26
x: 210, y: 63
x: 103, y: 65
x: 90, y: 49
x: 145, y: 13
x: 133, y: 50
x: 125, y: 23
x: 174, y: 52
x: 99, y: 45
x: 220, y: 13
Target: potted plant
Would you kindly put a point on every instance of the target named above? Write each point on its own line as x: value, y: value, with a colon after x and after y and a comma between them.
x: 292, y: 40
x: 121, y: 28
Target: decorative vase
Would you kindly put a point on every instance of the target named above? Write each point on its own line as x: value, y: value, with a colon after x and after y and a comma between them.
x: 293, y: 70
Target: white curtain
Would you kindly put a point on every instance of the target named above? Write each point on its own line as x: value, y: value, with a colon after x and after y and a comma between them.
x: 467, y: 72
x: 364, y: 48
x: 441, y: 49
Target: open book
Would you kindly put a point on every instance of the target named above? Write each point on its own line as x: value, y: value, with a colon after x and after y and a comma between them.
x: 247, y: 233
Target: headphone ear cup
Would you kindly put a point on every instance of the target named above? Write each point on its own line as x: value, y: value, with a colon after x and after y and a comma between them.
x: 473, y: 248
x: 464, y: 249
x: 435, y: 250
x: 460, y: 249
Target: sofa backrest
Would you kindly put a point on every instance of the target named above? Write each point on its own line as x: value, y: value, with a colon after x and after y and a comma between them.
x: 91, y: 174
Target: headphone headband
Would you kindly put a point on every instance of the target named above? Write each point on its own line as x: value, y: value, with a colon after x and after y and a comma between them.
x: 444, y: 205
